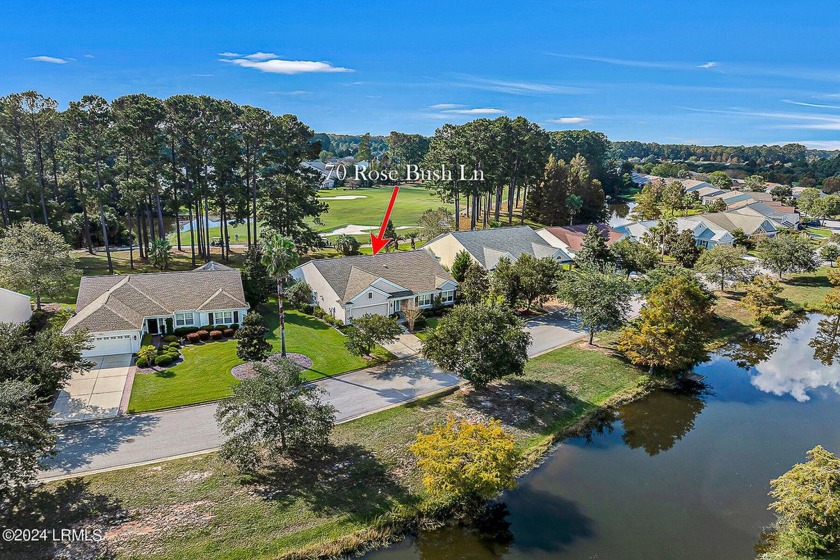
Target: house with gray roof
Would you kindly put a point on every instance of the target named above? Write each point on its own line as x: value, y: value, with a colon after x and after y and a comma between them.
x: 488, y: 246
x: 383, y: 284
x: 118, y: 310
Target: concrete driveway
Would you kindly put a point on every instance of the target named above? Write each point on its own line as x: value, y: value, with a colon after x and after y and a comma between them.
x: 94, y: 394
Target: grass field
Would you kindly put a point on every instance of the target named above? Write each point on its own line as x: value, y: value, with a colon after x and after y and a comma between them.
x: 411, y: 202
x: 204, y: 375
x: 199, y: 508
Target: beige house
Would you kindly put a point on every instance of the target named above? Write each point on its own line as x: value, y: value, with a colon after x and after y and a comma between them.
x: 14, y: 307
x: 118, y: 310
x: 488, y: 246
x: 351, y: 287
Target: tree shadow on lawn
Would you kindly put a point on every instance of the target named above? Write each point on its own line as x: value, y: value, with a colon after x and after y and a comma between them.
x: 531, y: 405
x: 808, y: 281
x: 347, y: 479
x: 69, y: 505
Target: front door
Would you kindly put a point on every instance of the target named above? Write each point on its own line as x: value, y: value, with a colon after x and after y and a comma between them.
x: 397, y: 304
x: 152, y: 326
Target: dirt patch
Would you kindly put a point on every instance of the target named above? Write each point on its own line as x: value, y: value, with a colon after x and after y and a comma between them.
x: 158, y: 521
x: 193, y: 476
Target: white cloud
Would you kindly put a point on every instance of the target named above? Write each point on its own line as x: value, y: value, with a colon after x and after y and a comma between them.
x: 261, y: 56
x: 807, y: 121
x: 708, y: 65
x: 280, y: 66
x: 446, y: 106
x: 88, y: 56
x: 804, y: 104
x: 273, y: 64
x: 48, y: 59
x: 520, y: 88
x: 476, y: 111
x: 568, y: 120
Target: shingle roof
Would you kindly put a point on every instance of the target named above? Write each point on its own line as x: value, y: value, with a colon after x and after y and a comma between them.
x: 487, y: 246
x: 121, y: 302
x: 573, y: 235
x: 413, y: 272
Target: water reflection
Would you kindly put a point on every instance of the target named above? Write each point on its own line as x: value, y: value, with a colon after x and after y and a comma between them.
x: 826, y: 343
x: 793, y: 362
x: 619, y: 213
x: 658, y: 428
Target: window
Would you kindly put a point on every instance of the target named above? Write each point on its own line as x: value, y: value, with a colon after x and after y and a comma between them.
x: 184, y: 320
x: 448, y: 297
x: 223, y: 317
x: 424, y: 299
x: 370, y: 295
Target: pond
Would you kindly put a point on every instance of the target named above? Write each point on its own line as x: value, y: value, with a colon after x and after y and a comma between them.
x: 679, y: 474
x: 620, y: 213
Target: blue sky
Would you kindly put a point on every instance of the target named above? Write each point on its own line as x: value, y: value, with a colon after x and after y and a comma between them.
x: 672, y: 72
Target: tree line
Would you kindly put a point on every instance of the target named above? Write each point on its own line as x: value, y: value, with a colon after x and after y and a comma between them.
x: 96, y: 167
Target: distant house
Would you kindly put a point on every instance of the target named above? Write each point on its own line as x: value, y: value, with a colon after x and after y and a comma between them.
x: 570, y: 238
x: 118, y: 310
x: 719, y: 227
x: 351, y: 287
x: 692, y: 185
x: 787, y: 216
x: 14, y: 307
x: 636, y: 231
x: 487, y: 246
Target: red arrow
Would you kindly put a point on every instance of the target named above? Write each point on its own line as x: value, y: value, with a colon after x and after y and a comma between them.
x: 376, y: 240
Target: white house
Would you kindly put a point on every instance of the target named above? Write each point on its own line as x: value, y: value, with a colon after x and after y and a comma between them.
x: 351, y: 287
x: 488, y: 246
x: 14, y: 307
x: 118, y: 310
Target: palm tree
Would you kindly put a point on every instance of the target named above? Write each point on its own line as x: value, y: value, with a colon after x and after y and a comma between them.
x: 573, y: 204
x: 159, y: 254
x: 279, y: 257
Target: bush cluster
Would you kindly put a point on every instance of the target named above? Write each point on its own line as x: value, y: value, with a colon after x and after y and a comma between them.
x: 203, y: 334
x: 170, y: 338
x: 216, y: 335
x: 193, y: 338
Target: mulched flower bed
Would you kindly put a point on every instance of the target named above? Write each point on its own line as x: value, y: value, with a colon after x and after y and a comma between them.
x: 247, y: 371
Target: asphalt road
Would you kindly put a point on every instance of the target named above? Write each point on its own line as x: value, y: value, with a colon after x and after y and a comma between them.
x: 141, y: 438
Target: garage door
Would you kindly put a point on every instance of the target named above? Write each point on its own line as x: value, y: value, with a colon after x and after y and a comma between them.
x: 107, y: 345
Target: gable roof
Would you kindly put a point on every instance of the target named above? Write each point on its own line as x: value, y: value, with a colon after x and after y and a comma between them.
x: 122, y: 301
x: 487, y: 246
x: 410, y: 272
x: 573, y: 236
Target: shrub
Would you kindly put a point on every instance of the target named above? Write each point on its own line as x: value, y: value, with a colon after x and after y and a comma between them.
x: 234, y: 326
x: 194, y: 338
x: 170, y: 338
x: 142, y: 363
x: 207, y: 328
x: 420, y: 323
x: 220, y: 327
x: 175, y: 344
x: 203, y: 334
x: 299, y: 294
x: 229, y: 332
x: 169, y: 325
x: 184, y: 331
x: 216, y: 335
x: 307, y: 309
x: 148, y: 352
x: 164, y: 360
x: 146, y: 340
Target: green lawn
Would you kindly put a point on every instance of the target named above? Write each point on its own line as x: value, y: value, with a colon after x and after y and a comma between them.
x: 431, y: 323
x: 411, y: 202
x: 199, y: 507
x: 204, y: 375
